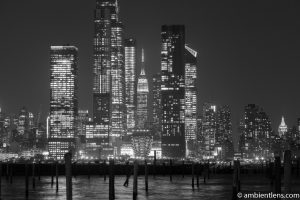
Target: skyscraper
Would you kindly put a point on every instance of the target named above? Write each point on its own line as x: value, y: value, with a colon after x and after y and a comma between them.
x: 63, y: 100
x: 282, y: 129
x: 190, y: 94
x: 130, y: 83
x: 172, y: 90
x: 109, y: 72
x: 142, y: 97
x: 209, y: 128
x: 156, y: 106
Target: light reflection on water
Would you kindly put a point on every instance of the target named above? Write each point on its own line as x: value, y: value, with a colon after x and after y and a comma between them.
x: 218, y: 187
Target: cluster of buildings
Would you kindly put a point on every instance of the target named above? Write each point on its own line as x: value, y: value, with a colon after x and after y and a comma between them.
x: 258, y: 141
x: 120, y: 124
x: 130, y: 118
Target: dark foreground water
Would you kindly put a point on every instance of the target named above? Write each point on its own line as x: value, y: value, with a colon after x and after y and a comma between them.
x: 217, y: 187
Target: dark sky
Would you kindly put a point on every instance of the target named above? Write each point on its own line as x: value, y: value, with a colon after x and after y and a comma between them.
x: 248, y: 50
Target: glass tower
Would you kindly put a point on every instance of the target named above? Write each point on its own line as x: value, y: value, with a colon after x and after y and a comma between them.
x: 130, y: 83
x: 63, y: 100
x: 109, y: 106
x: 190, y: 94
x: 172, y: 91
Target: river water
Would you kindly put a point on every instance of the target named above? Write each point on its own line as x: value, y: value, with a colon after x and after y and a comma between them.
x: 217, y: 187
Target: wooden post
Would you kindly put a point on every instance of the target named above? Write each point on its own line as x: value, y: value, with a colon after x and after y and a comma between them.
x: 11, y: 174
x: 154, y: 164
x: 33, y: 175
x: 7, y: 172
x: 56, y: 175
x: 68, y: 169
x: 197, y: 174
x: 164, y: 168
x: 135, y: 179
x: 52, y: 174
x: 74, y: 170
x: 236, y: 176
x: 170, y: 170
x: 26, y: 180
x: 111, y: 180
x: 208, y: 169
x: 193, y: 174
x: 0, y: 178
x: 277, y: 175
x: 88, y: 170
x: 287, y: 171
x: 182, y: 169
x: 104, y: 169
x: 204, y: 172
x: 39, y: 170
x: 146, y: 176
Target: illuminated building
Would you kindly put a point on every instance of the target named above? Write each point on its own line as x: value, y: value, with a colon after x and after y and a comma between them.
x: 256, y: 133
x: 224, y: 132
x: 130, y: 83
x: 209, y: 129
x: 190, y: 94
x: 156, y: 106
x: 97, y: 140
x: 109, y: 106
x: 282, y: 129
x: 142, y: 97
x: 63, y: 100
x: 172, y: 91
x: 82, y: 119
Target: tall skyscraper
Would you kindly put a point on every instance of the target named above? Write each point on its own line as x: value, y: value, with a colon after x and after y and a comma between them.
x: 109, y: 72
x: 209, y: 128
x: 142, y: 97
x: 172, y: 91
x: 156, y: 106
x: 130, y: 83
x: 190, y: 94
x: 63, y: 100
x: 224, y: 126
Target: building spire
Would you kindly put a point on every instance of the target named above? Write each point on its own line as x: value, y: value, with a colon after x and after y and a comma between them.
x: 143, y: 73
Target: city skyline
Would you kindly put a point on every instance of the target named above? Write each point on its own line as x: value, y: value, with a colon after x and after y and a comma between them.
x: 262, y: 46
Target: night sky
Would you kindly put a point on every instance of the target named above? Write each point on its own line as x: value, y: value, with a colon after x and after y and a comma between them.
x: 248, y: 50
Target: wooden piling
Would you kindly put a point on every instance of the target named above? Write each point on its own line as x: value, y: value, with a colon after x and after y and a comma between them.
x: 182, y: 169
x: 26, y: 181
x: 111, y: 180
x: 287, y: 171
x: 135, y: 179
x: 128, y: 174
x: 236, y: 181
x: 277, y: 175
x: 193, y: 174
x: 170, y: 170
x: 154, y: 164
x: 33, y: 175
x: 56, y: 175
x: 0, y: 179
x: 88, y: 170
x: 7, y: 172
x: 104, y: 170
x: 197, y: 174
x: 68, y: 169
x: 39, y: 170
x: 52, y: 174
x: 146, y: 176
x: 11, y: 173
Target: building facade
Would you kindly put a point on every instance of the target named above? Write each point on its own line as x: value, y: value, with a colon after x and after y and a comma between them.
x: 63, y: 100
x: 109, y: 106
x: 172, y: 91
x: 130, y: 83
x: 142, y: 97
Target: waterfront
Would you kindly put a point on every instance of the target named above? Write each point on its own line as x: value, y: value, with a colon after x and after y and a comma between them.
x: 219, y: 186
